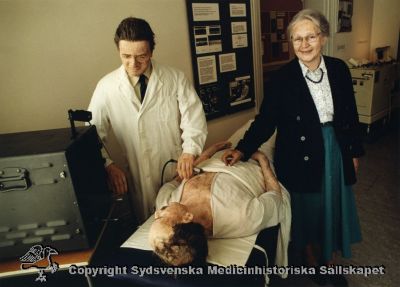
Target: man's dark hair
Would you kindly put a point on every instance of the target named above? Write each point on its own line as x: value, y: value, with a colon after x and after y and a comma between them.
x: 187, y: 244
x: 134, y: 29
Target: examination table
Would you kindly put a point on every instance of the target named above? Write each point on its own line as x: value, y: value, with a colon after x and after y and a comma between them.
x: 133, y: 253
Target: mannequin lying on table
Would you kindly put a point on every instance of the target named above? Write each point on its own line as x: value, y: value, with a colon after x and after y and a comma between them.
x: 220, y: 202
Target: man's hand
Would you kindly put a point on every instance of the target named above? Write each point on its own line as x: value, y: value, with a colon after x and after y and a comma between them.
x: 117, y: 179
x: 270, y: 180
x: 259, y: 156
x: 230, y: 157
x: 185, y: 165
x: 210, y: 151
x: 356, y: 164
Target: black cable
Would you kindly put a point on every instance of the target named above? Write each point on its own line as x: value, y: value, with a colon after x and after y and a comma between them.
x: 163, y: 169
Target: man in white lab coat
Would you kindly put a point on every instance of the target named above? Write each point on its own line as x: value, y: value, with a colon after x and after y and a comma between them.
x: 155, y: 114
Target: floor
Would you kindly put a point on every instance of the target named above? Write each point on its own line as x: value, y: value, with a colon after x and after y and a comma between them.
x: 377, y: 195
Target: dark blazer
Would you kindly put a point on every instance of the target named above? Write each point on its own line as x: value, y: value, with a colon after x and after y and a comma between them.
x: 289, y: 107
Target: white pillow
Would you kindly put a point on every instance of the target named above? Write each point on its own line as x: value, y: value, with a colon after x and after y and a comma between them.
x: 268, y: 148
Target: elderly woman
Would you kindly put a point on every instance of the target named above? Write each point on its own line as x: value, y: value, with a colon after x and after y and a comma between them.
x: 311, y: 104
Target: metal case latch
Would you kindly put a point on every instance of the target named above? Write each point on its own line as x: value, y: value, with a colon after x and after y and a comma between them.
x: 14, y: 178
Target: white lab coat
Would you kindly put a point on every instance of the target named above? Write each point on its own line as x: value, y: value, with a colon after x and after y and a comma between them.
x: 170, y: 120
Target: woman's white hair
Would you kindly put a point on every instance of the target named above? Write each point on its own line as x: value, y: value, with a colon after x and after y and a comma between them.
x: 315, y: 16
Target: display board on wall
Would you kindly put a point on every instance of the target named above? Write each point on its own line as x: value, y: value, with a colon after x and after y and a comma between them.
x: 221, y: 46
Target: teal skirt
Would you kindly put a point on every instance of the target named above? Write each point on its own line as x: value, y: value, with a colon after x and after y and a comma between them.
x: 328, y: 219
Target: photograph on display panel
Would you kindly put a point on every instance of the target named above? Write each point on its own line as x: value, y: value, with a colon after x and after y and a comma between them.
x: 345, y: 14
x: 221, y: 47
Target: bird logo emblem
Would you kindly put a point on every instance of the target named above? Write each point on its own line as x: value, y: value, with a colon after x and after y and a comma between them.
x: 39, y: 257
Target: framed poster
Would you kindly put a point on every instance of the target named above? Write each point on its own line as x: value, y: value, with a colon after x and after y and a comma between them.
x: 222, y: 55
x: 345, y: 14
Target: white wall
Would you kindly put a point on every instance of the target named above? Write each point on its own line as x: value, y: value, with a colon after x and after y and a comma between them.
x: 385, y: 26
x: 52, y: 54
x: 376, y: 23
x: 355, y: 44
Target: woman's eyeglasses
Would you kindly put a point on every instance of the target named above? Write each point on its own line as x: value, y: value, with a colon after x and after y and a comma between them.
x: 309, y: 39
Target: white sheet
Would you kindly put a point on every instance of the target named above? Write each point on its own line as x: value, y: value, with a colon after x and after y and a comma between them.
x: 284, y: 214
x: 222, y: 252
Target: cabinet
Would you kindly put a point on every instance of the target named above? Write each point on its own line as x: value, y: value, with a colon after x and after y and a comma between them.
x: 372, y: 88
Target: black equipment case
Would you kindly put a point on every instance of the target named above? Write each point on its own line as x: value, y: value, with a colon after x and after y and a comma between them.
x: 53, y: 190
